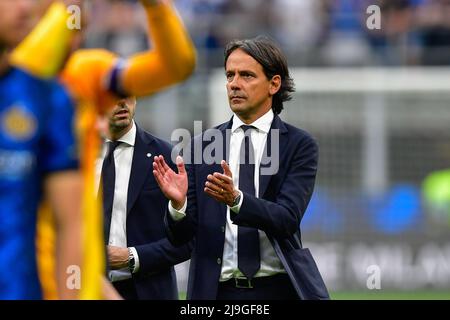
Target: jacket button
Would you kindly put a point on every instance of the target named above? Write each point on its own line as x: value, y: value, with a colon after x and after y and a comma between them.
x: 219, y: 261
x: 223, y: 228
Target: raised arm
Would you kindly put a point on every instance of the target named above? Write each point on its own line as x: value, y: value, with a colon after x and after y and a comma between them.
x: 171, y: 59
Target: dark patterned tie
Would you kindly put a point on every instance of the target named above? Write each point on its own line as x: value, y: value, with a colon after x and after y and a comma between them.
x: 248, y: 238
x: 108, y: 182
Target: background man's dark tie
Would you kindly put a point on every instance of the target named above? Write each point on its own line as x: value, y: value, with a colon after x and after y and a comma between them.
x: 108, y: 182
x: 248, y: 238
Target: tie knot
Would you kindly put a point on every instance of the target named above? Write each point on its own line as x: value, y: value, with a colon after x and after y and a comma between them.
x: 112, y: 145
x: 245, y: 128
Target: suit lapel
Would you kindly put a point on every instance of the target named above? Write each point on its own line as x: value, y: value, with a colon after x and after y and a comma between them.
x: 270, y: 153
x: 226, y: 136
x: 141, y: 165
x: 225, y: 130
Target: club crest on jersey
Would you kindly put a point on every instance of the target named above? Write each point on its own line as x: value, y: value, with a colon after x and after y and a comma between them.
x: 18, y: 123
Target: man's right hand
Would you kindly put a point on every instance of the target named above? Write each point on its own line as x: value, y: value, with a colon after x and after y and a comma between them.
x: 173, y: 185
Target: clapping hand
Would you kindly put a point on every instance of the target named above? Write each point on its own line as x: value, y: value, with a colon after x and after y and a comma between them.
x: 173, y: 185
x: 220, y: 185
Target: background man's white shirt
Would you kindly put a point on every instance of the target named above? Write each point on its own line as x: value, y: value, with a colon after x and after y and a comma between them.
x: 123, y: 159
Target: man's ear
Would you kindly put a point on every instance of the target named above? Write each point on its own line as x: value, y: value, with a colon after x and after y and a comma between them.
x: 275, y: 85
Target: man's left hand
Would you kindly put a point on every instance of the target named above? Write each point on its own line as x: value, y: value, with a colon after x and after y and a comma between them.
x: 220, y: 185
x: 117, y: 257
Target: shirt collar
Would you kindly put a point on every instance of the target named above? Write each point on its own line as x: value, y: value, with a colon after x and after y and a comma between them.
x: 129, y: 138
x: 262, y: 123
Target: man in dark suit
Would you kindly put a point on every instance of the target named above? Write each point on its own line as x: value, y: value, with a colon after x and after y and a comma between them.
x: 140, y: 257
x: 245, y: 212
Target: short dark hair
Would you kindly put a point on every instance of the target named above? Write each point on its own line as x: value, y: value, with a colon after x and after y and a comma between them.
x: 269, y: 56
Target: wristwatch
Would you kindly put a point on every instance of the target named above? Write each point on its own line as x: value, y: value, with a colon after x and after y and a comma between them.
x: 236, y: 200
x: 131, y: 261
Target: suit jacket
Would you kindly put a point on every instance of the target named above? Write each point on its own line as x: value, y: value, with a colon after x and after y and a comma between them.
x: 283, y: 199
x: 146, y: 206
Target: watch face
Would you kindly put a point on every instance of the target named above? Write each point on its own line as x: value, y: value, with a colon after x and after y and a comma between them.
x: 131, y: 264
x: 130, y: 260
x: 236, y: 201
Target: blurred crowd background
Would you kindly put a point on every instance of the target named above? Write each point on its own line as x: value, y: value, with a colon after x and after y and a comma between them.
x: 378, y: 102
x: 312, y: 32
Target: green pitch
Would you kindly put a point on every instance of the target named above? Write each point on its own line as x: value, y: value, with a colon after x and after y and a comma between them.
x: 391, y: 295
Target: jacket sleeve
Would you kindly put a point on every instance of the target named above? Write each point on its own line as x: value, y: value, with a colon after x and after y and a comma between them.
x: 281, y: 217
x: 161, y: 255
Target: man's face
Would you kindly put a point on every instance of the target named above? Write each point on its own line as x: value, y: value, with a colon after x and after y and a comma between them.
x: 121, y: 116
x: 249, y: 90
x: 15, y: 21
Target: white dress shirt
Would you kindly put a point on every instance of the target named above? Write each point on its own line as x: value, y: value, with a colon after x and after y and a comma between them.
x: 270, y: 263
x: 123, y: 157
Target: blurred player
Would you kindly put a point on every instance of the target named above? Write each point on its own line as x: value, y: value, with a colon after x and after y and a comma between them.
x: 97, y: 79
x: 37, y: 159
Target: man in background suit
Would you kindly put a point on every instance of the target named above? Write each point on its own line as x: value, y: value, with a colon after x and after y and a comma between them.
x: 140, y: 257
x: 245, y: 212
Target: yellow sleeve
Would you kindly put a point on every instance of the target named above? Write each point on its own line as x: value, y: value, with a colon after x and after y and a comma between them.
x: 45, y: 49
x: 100, y: 77
x: 171, y: 60
x: 85, y: 75
x: 45, y: 252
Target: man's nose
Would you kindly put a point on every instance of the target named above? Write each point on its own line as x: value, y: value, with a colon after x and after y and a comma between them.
x: 122, y: 103
x: 235, y: 83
